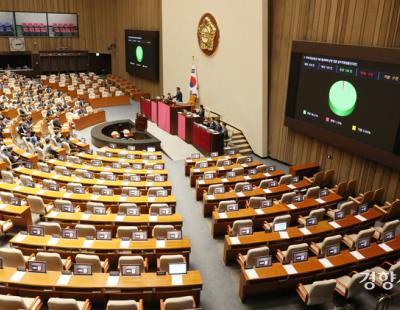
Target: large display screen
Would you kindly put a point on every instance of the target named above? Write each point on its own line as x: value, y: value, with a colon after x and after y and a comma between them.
x: 142, y: 53
x: 348, y: 97
x: 29, y: 24
x: 62, y: 25
x: 7, y: 28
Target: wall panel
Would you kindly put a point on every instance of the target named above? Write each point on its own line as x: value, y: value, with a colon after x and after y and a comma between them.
x: 357, y: 22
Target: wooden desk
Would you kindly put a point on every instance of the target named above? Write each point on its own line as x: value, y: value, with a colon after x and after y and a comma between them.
x: 33, y: 158
x: 149, y: 286
x: 145, y: 107
x: 19, y: 215
x: 304, y: 170
x: 111, y: 249
x: 255, y: 179
x: 258, y: 216
x: 168, y: 116
x: 89, y: 157
x: 109, y: 101
x: 143, y: 202
x: 190, y: 162
x: 350, y: 224
x: 185, y: 126
x: 137, y: 153
x: 206, y: 141
x: 220, y: 171
x: 276, y: 277
x: 112, y: 221
x: 91, y: 119
x: 81, y: 145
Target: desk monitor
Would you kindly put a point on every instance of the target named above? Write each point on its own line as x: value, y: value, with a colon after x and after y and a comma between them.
x: 35, y: 266
x: 112, y: 146
x: 108, y: 154
x: 272, y: 184
x: 30, y: 183
x: 300, y: 256
x: 195, y: 156
x: 90, y: 152
x: 67, y: 208
x: 158, y: 167
x: 116, y: 165
x: 252, y: 171
x: 208, y: 176
x: 28, y: 165
x: 203, y: 164
x: 249, y: 159
x: 246, y: 230
x: 297, y: 198
x: 362, y: 208
x: 77, y: 160
x: 133, y: 211
x: 247, y: 188
x: 339, y: 214
x: 295, y: 179
x: 159, y: 178
x: 165, y: 211
x: 177, y: 268
x: 101, y: 210
x: 231, y: 152
x: 83, y: 269
x: 151, y: 149
x: 266, y: 203
x: 45, y: 169
x: 61, y: 157
x: 110, y: 177
x: 131, y: 147
x: 78, y: 190
x: 15, y: 201
x: 311, y: 221
x: 230, y: 174
x: 271, y: 168
x: 226, y: 162
x: 219, y: 190
x: 134, y: 178
x: 88, y: 175
x: 333, y: 249
x: 363, y: 243
x: 133, y: 193
x: 139, y: 236
x: 152, y: 157
x: 54, y: 187
x: 323, y: 192
x: 103, y: 235
x: 161, y: 193
x: 214, y: 154
x: 130, y: 270
x: 280, y: 226
x: 36, y: 230
x: 130, y: 156
x: 69, y: 233
x: 174, y: 235
x: 97, y: 163
x: 66, y: 172
x: 389, y: 235
x: 137, y: 166
x: 263, y: 261
x: 232, y: 207
x: 106, y: 192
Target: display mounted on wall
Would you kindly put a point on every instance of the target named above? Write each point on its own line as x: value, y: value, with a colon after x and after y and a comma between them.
x: 30, y: 24
x: 208, y: 34
x: 7, y: 28
x: 62, y: 25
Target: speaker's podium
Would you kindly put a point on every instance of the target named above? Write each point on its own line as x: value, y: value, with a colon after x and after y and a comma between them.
x: 207, y: 140
x: 167, y: 115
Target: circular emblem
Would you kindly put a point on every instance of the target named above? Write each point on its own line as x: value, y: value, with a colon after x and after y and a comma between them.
x: 208, y: 34
x: 139, y: 53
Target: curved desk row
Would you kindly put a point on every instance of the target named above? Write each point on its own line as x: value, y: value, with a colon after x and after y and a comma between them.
x: 89, y: 157
x: 191, y: 162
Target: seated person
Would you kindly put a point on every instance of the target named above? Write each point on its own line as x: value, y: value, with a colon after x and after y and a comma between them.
x: 201, y: 112
x: 115, y: 135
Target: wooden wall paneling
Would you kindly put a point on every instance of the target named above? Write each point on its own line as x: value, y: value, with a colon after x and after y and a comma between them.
x: 358, y: 22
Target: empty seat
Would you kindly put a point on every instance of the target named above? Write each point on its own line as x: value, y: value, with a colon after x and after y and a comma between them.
x: 51, y: 228
x: 123, y: 207
x: 81, y: 173
x: 90, y: 206
x: 178, y: 303
x: 319, y: 248
x: 211, y: 188
x: 48, y: 183
x: 350, y: 286
x: 94, y: 260
x: 155, y: 208
x: 126, y: 231
x: 287, y: 256
x: 383, y: 274
x: 125, y: 190
x: 198, y: 164
x: 133, y: 260
x: 222, y: 205
x: 85, y: 230
x: 124, y: 305
x: 328, y: 178
x: 255, y: 202
x: 61, y: 202
x: 234, y: 231
x: 13, y: 258
x: 242, y: 160
x: 265, y: 183
x: 341, y: 189
x: 250, y: 258
x: 239, y: 186
x: 161, y: 231
x: 351, y: 240
x: 346, y: 207
x: 60, y: 169
x: 105, y: 175
x: 287, y: 198
x: 388, y: 226
x: 7, y: 176
x: 165, y: 260
x: 351, y: 188
x: 238, y: 170
x: 56, y: 303
x: 377, y: 198
x: 8, y: 302
x: 37, y: 205
x: 53, y: 261
x: 6, y: 197
x: 285, y: 179
x: 312, y: 192
x: 391, y: 210
x: 262, y: 168
x: 282, y: 219
x: 317, y: 179
x: 43, y: 167
x: 71, y: 186
x: 317, y: 213
x: 26, y: 180
x: 220, y: 162
x: 152, y: 191
x: 98, y: 188
x: 319, y: 292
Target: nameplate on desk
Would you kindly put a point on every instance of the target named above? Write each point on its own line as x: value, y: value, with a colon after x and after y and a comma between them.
x: 53, y: 241
x: 385, y: 247
x: 240, y: 194
x: 86, y: 167
x: 357, y: 255
x: 267, y: 174
x: 305, y: 231
x: 19, y: 238
x: 246, y: 177
x: 210, y: 197
x: 196, y: 170
x: 149, y: 183
x: 224, y: 180
x: 267, y: 191
x: 124, y: 244
x: 119, y: 218
x: 290, y: 269
x: 201, y: 182
x: 325, y: 262
x: 123, y: 152
x: 160, y: 244
x: 334, y: 224
x: 37, y: 172
x: 100, y: 181
x: 319, y: 200
x: 85, y: 216
x: 283, y: 235
x: 360, y: 218
x: 94, y: 197
x: 291, y: 206
x: 234, y: 240
x: 112, y: 281
x: 125, y: 183
x: 122, y: 198
x: 17, y: 188
x: 291, y: 186
x: 17, y: 276
x: 222, y: 215
x: 107, y: 169
x: 87, y: 243
x: 77, y: 180
x: 67, y: 195
x: 176, y: 279
x: 259, y: 211
x: 151, y: 199
x: 2, y: 206
x: 153, y: 218
x: 245, y: 165
x: 251, y: 274
x: 63, y: 279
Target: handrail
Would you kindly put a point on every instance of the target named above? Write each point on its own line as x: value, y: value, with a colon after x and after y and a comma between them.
x: 386, y: 301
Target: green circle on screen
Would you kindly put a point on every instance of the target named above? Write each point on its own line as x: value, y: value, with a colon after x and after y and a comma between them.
x: 139, y: 53
x: 342, y: 98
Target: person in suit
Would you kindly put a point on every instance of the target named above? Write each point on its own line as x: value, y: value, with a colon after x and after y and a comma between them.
x: 201, y: 111
x: 178, y: 97
x: 214, y: 125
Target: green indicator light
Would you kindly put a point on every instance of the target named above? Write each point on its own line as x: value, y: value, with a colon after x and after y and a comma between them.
x: 342, y: 98
x: 139, y: 53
